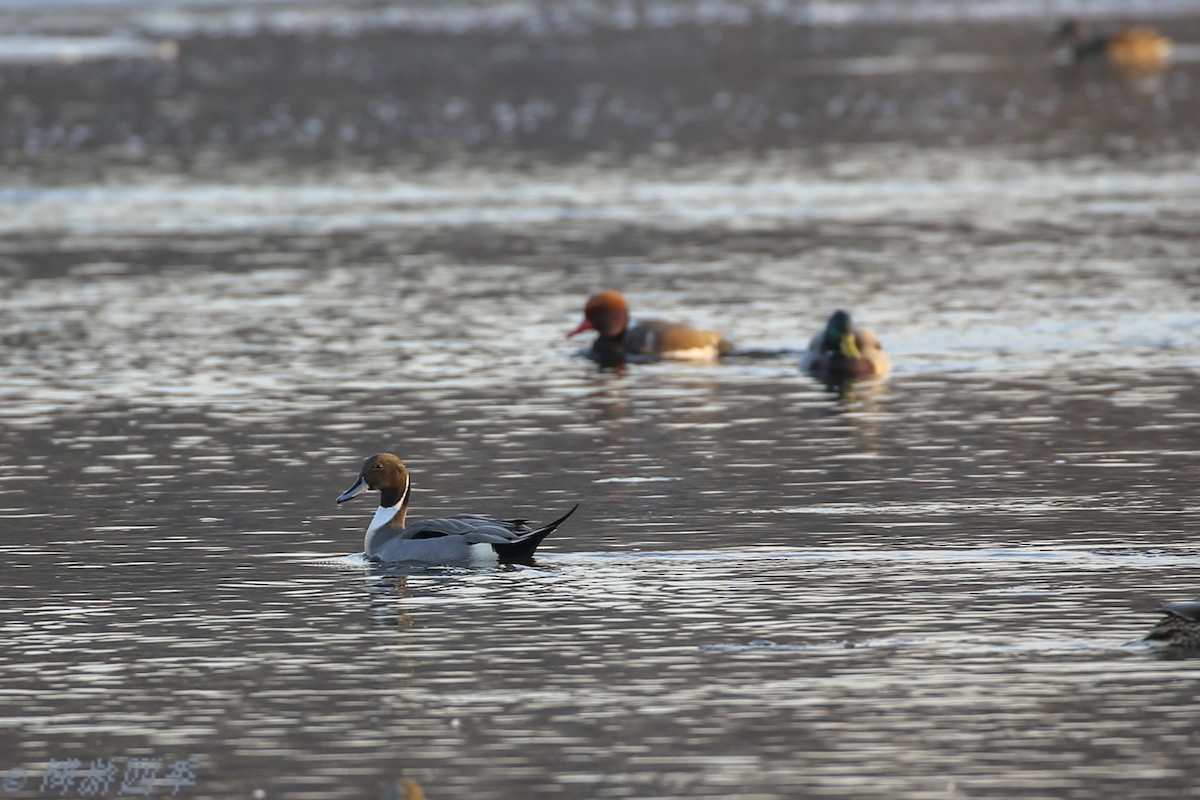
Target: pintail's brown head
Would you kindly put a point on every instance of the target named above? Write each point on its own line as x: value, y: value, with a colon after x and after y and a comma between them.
x: 384, y: 473
x: 607, y: 313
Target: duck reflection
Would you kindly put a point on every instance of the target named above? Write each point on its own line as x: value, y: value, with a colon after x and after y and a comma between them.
x: 854, y: 394
x: 388, y: 595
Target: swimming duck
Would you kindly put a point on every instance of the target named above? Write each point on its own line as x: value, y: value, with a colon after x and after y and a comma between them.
x: 1136, y: 48
x: 465, y: 539
x: 407, y: 790
x: 607, y: 313
x: 845, y: 351
x: 1180, y: 627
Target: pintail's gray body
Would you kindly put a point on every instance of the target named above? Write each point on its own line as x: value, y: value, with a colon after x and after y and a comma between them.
x: 464, y: 539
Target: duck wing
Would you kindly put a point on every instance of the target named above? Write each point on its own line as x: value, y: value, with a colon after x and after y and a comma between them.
x: 472, y: 527
x: 478, y: 529
x: 657, y: 337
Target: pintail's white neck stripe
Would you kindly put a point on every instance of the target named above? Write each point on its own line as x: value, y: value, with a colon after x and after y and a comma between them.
x: 385, y: 514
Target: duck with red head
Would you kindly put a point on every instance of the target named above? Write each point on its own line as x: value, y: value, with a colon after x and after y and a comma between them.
x: 844, y: 351
x: 619, y: 341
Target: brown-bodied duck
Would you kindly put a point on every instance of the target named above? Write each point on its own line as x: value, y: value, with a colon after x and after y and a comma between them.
x: 1179, y: 627
x: 844, y: 351
x: 462, y: 540
x: 619, y: 340
x: 1135, y: 48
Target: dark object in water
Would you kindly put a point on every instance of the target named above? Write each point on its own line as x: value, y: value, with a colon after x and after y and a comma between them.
x: 1139, y: 48
x: 1180, y: 627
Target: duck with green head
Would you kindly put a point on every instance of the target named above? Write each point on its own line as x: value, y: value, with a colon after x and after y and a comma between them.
x: 845, y: 351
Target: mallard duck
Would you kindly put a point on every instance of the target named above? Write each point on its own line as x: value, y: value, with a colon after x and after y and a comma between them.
x: 465, y: 539
x: 843, y: 350
x: 607, y: 313
x: 1140, y: 47
x: 1180, y: 627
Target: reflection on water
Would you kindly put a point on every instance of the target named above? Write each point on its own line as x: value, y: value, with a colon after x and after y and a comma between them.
x: 929, y: 585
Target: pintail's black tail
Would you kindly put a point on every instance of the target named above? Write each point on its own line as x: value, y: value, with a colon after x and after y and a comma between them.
x: 521, y: 550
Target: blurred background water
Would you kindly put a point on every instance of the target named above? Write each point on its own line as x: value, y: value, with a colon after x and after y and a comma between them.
x: 242, y: 246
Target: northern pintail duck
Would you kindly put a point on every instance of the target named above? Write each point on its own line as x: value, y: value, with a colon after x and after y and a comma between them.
x: 607, y: 313
x: 1132, y: 49
x: 1180, y: 627
x: 843, y: 350
x: 464, y: 539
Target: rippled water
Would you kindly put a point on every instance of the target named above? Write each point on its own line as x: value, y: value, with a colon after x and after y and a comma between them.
x: 930, y: 586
